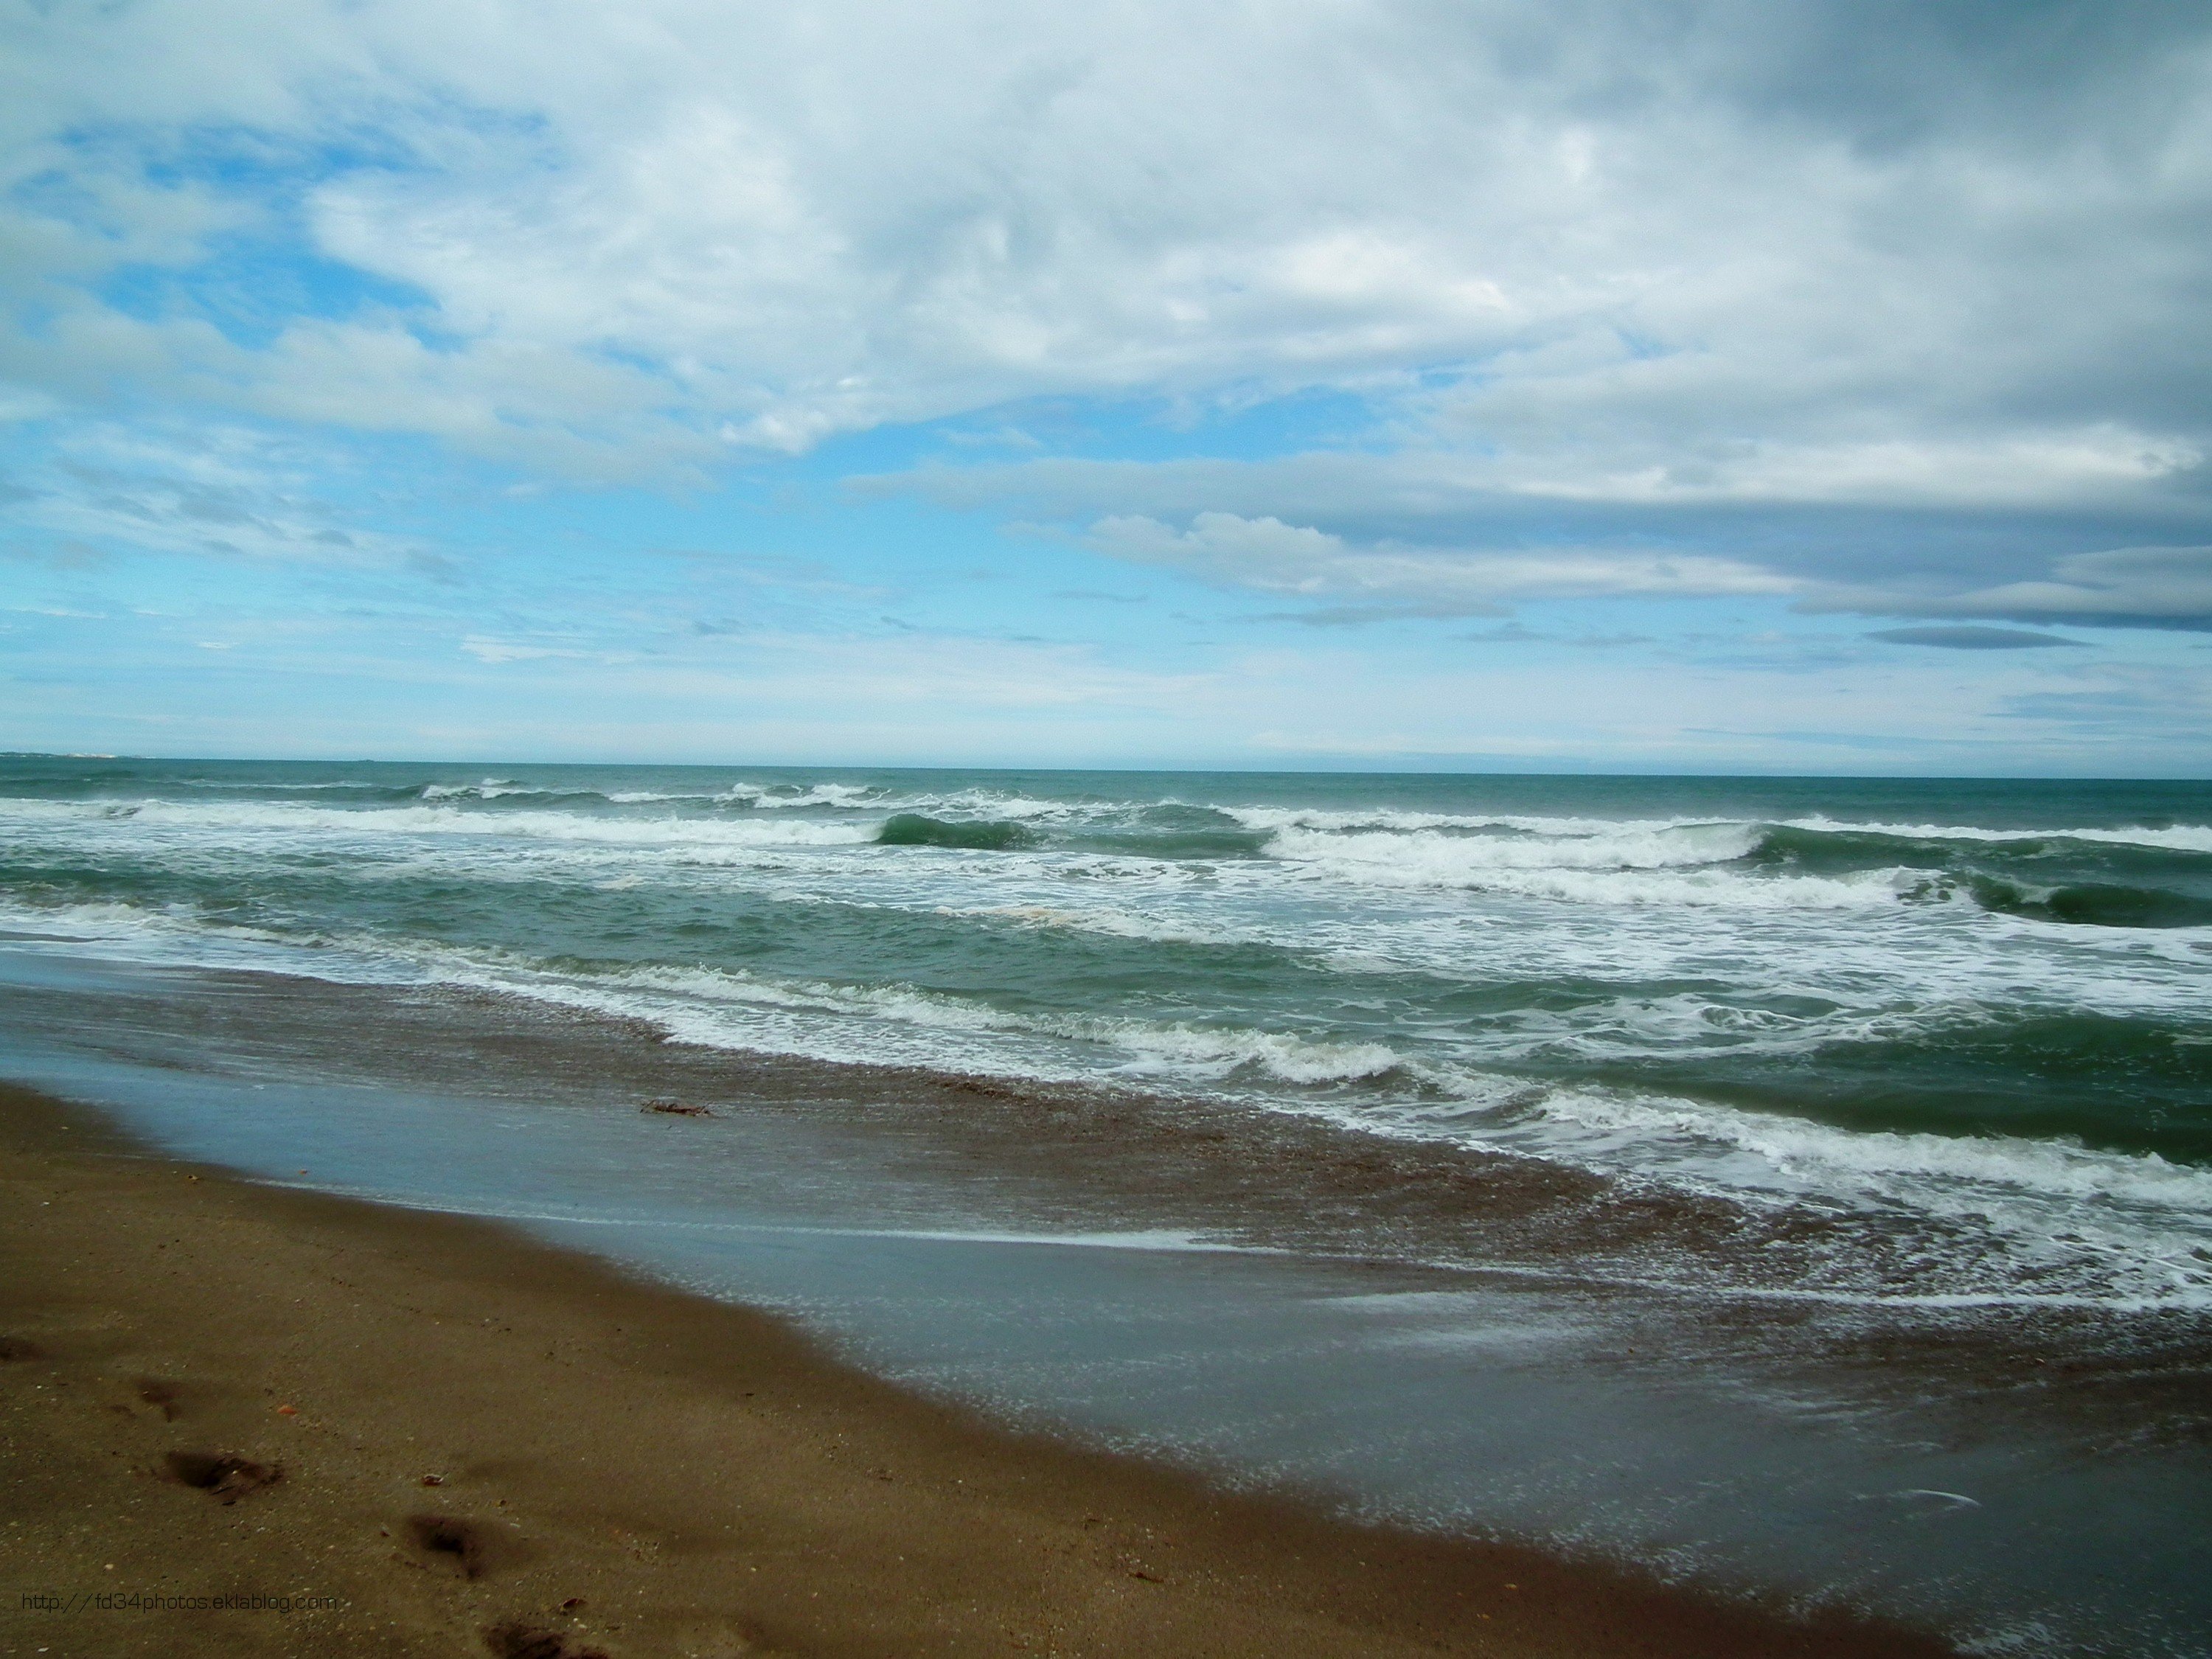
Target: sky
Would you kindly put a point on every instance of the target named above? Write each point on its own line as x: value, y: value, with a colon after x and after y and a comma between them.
x: 1752, y: 385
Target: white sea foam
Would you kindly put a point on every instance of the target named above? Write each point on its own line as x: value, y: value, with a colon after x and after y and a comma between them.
x: 1675, y: 847
x: 2187, y: 838
x: 2082, y: 1224
x: 1130, y: 1044
x: 1111, y: 923
x: 2020, y: 1222
x: 1679, y: 865
x: 2180, y: 838
x: 771, y: 797
x: 177, y: 935
x: 2129, y: 1222
x: 544, y: 824
x: 955, y: 803
x: 488, y: 789
x: 264, y: 785
x: 1711, y: 954
x: 1803, y: 1156
x: 1786, y: 1142
x: 1387, y: 820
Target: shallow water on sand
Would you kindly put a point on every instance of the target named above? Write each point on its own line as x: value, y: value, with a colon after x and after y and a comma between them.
x: 1938, y: 1041
x: 1237, y: 1287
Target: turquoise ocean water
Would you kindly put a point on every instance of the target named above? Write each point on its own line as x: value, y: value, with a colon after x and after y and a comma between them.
x: 1967, y: 1026
x: 1803, y: 1187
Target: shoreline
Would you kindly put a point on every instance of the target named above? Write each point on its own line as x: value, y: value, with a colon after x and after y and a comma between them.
x: 628, y: 1468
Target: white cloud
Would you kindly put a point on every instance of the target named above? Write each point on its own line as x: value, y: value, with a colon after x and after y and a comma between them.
x: 226, y: 491
x: 1712, y: 253
x: 1274, y: 557
x: 2128, y: 585
x: 484, y: 648
x: 2011, y: 470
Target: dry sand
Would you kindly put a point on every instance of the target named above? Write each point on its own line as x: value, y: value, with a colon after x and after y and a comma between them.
x: 435, y: 1436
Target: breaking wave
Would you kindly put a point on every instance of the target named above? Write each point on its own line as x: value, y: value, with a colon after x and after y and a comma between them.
x: 1998, y: 1032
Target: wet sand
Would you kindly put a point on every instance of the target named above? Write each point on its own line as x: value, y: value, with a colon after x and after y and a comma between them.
x: 435, y: 1436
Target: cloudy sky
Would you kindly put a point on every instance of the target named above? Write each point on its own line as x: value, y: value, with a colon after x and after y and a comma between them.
x: 1662, y: 387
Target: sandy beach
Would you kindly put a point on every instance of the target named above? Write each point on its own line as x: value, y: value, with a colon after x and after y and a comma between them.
x: 1359, y: 827
x: 248, y: 1421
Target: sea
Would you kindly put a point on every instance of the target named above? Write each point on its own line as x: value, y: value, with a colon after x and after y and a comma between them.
x: 1800, y: 1187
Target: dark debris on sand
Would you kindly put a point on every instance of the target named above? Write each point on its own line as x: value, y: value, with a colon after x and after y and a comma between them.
x: 222, y: 1475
